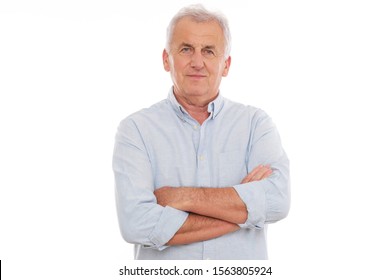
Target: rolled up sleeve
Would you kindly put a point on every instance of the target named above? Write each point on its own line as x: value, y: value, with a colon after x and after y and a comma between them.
x: 268, y: 200
x: 141, y: 220
x: 169, y: 222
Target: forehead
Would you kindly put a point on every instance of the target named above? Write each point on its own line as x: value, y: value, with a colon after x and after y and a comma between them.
x: 198, y: 33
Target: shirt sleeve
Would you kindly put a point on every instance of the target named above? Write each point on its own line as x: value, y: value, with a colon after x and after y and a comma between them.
x: 268, y: 200
x: 141, y: 219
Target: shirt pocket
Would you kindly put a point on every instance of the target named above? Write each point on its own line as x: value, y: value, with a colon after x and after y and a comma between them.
x: 232, y: 167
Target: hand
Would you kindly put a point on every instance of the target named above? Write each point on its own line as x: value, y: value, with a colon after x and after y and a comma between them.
x: 259, y: 173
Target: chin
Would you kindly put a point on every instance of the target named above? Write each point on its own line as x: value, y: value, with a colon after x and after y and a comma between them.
x: 198, y: 89
x: 197, y: 93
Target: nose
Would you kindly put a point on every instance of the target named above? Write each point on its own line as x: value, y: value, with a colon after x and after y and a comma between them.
x: 197, y: 61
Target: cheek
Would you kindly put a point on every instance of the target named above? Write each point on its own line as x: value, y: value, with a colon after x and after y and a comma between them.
x: 217, y: 68
x: 175, y: 66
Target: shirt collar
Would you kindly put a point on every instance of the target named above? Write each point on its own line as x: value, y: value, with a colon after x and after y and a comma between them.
x: 214, y: 107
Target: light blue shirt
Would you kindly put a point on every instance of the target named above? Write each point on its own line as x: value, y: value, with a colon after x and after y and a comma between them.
x: 164, y: 146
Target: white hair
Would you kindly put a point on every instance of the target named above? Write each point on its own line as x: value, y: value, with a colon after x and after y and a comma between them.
x: 198, y: 13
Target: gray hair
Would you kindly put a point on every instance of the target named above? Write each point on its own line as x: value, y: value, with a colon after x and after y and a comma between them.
x: 198, y: 13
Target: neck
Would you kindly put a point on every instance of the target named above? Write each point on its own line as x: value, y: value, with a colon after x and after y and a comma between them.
x: 197, y: 110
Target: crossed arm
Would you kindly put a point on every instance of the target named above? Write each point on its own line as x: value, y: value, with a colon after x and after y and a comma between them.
x: 213, y: 211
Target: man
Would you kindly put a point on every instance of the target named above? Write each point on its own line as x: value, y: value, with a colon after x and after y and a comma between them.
x: 199, y: 176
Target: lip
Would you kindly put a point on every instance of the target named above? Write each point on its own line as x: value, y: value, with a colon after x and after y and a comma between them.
x: 196, y: 76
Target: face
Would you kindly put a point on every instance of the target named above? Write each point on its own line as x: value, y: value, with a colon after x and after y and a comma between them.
x: 196, y: 60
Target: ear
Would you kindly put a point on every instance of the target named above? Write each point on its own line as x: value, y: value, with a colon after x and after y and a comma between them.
x: 165, y: 57
x: 227, y: 66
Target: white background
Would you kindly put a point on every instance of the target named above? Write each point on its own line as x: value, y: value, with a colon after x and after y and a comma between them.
x: 71, y: 70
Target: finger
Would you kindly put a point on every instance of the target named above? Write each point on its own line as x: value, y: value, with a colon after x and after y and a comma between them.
x: 249, y: 176
x: 262, y: 174
x: 256, y: 174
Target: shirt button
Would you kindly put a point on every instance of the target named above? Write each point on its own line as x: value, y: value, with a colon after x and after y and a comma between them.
x: 195, y: 126
x: 201, y: 157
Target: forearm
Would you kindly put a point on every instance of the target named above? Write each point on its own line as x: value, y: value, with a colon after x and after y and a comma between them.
x: 200, y: 228
x: 220, y: 203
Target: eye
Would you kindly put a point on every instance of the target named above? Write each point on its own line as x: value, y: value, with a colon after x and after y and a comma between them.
x: 208, y: 52
x: 186, y: 50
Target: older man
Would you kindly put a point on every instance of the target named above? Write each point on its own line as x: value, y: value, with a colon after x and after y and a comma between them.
x: 197, y: 175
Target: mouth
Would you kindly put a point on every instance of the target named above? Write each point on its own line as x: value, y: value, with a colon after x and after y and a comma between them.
x: 196, y: 76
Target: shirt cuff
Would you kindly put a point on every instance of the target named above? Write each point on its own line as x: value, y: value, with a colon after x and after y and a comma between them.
x: 254, y: 197
x: 169, y: 223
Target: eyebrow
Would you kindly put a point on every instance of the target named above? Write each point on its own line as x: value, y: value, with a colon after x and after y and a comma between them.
x: 185, y: 45
x: 209, y: 47
x: 191, y: 46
